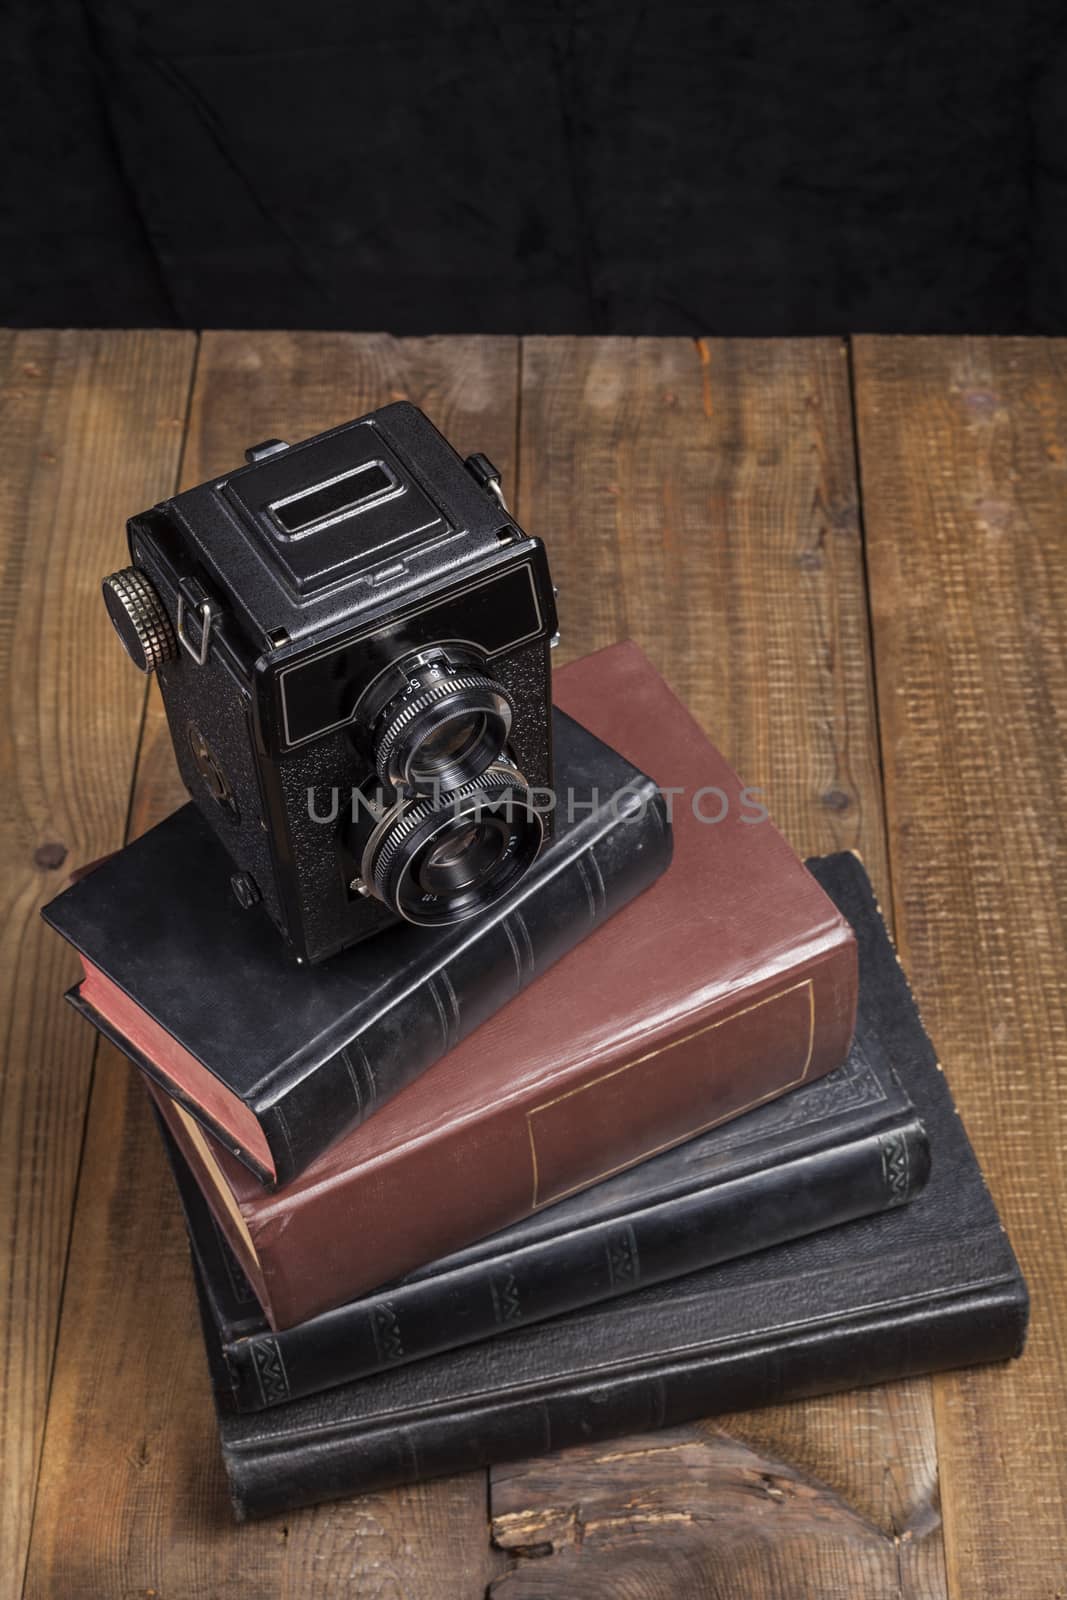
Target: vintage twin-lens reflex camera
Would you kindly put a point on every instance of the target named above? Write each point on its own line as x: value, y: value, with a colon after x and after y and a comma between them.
x: 352, y: 637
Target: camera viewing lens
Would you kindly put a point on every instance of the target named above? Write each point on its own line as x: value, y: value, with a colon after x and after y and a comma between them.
x: 435, y: 863
x: 448, y: 745
x: 446, y: 724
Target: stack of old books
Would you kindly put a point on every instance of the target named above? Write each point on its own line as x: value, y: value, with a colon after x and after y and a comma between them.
x: 658, y: 1133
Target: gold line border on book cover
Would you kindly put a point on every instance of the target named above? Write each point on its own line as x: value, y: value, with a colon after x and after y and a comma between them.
x: 645, y: 1155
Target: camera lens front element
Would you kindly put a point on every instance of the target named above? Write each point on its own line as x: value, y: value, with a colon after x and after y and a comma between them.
x: 462, y: 857
x: 444, y: 726
x: 437, y: 862
x: 450, y: 741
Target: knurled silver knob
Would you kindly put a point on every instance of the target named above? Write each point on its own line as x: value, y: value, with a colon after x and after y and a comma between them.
x: 139, y: 619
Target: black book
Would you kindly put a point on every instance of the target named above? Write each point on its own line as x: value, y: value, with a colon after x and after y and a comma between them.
x: 278, y: 1060
x: 843, y: 1147
x: 915, y: 1289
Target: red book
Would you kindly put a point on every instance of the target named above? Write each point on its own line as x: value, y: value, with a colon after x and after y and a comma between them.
x: 730, y: 981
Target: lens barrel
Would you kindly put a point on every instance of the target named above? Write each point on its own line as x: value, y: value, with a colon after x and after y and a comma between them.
x: 435, y: 861
x: 442, y: 724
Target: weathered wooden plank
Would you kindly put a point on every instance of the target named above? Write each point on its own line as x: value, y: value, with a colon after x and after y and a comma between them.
x: 92, y: 430
x: 691, y: 1511
x: 701, y: 498
x: 131, y: 1492
x: 964, y: 467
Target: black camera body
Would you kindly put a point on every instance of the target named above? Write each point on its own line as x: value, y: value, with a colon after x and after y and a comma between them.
x: 352, y: 637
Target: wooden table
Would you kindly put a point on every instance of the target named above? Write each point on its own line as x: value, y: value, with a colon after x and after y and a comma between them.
x: 851, y: 561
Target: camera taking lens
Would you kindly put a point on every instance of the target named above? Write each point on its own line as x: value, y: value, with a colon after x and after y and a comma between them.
x: 439, y: 860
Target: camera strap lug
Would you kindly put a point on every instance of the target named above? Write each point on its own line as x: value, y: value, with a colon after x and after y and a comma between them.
x: 192, y: 598
x: 482, y: 469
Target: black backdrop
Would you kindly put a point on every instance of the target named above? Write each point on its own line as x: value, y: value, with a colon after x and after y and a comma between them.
x: 679, y: 167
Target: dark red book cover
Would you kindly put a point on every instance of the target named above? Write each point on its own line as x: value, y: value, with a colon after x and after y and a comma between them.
x: 730, y: 981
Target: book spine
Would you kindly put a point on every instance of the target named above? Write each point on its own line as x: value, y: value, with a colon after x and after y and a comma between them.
x: 282, y: 1471
x: 636, y: 1097
x: 682, y: 1233
x: 616, y: 854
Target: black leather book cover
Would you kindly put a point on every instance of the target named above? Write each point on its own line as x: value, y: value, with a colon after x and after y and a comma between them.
x: 845, y: 1146
x: 287, y: 1058
x: 921, y: 1287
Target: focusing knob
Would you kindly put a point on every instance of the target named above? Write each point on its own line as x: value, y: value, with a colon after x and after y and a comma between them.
x: 139, y: 619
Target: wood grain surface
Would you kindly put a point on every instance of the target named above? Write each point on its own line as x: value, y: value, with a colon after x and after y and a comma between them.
x: 690, y: 1511
x: 92, y: 425
x: 701, y: 497
x: 132, y: 1488
x: 963, y: 447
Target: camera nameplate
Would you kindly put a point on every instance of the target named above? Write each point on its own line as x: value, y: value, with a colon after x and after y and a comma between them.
x: 490, y: 612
